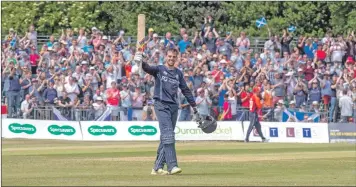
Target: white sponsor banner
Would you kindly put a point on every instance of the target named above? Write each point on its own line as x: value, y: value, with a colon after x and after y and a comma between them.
x: 41, y: 129
x: 225, y: 131
x: 120, y: 131
x: 291, y: 132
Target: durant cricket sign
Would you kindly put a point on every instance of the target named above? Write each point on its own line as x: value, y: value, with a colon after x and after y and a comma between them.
x: 224, y: 131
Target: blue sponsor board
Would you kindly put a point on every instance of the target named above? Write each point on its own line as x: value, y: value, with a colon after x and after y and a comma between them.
x: 342, y: 132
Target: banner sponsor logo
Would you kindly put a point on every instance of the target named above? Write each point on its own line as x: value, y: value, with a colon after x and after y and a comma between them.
x: 139, y: 130
x: 219, y: 130
x: 307, y: 133
x: 290, y: 132
x: 273, y: 132
x: 342, y: 132
x: 107, y: 130
x: 58, y: 130
x: 25, y: 128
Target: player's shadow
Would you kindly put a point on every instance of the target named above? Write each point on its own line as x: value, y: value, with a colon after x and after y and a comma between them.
x: 206, y: 173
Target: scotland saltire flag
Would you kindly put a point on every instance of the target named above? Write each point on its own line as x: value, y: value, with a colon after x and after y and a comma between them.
x: 261, y: 22
x: 106, y: 116
x: 292, y: 28
x: 299, y: 116
x: 58, y: 116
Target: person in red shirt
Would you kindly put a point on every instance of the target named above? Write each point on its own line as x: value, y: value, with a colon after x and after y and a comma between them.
x: 255, y: 105
x: 34, y: 58
x: 113, y: 98
x: 321, y: 52
x: 245, y: 96
x: 308, y: 71
x: 216, y: 73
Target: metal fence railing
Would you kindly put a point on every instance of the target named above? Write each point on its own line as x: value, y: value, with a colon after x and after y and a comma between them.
x: 137, y: 114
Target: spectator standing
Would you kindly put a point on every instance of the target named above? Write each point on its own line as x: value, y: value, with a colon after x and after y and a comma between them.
x: 346, y: 105
x: 203, y: 103
x: 113, y: 100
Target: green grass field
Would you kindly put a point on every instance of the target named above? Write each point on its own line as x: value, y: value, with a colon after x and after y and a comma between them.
x: 64, y: 163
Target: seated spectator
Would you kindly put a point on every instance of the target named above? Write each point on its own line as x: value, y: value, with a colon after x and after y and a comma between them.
x: 149, y: 112
x: 26, y: 109
x: 99, y: 107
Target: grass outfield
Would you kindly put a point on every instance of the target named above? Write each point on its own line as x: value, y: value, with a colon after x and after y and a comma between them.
x: 64, y: 163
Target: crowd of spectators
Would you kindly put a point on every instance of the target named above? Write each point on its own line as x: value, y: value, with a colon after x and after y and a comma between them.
x: 89, y: 70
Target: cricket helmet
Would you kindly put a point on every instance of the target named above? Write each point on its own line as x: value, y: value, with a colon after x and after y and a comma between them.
x: 208, y: 124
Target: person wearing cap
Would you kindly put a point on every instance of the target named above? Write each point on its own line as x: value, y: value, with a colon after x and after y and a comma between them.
x: 168, y: 79
x: 99, y: 106
x: 147, y: 38
x: 255, y: 105
x: 154, y: 43
x: 292, y: 106
x: 314, y: 90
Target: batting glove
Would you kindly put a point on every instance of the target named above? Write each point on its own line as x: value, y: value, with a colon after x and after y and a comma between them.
x: 138, y: 57
x: 197, y: 116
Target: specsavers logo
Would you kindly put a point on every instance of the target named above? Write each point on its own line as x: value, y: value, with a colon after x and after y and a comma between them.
x: 138, y: 130
x: 58, y: 130
x: 219, y: 130
x: 25, y: 128
x: 107, y: 130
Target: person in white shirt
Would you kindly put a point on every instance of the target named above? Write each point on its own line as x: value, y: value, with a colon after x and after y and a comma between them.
x: 82, y: 39
x: 72, y: 89
x: 99, y: 106
x: 25, y: 107
x: 346, y: 104
x: 109, y: 76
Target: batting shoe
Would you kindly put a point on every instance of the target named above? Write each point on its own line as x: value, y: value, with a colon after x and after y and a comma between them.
x: 265, y: 140
x: 159, y: 172
x: 175, y: 170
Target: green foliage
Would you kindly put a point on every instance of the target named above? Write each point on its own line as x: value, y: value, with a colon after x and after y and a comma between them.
x: 310, y: 18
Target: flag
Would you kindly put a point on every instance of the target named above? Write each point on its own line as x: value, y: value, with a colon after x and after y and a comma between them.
x: 57, y: 115
x: 315, y: 117
x: 261, y: 22
x: 292, y: 28
x: 105, y: 116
